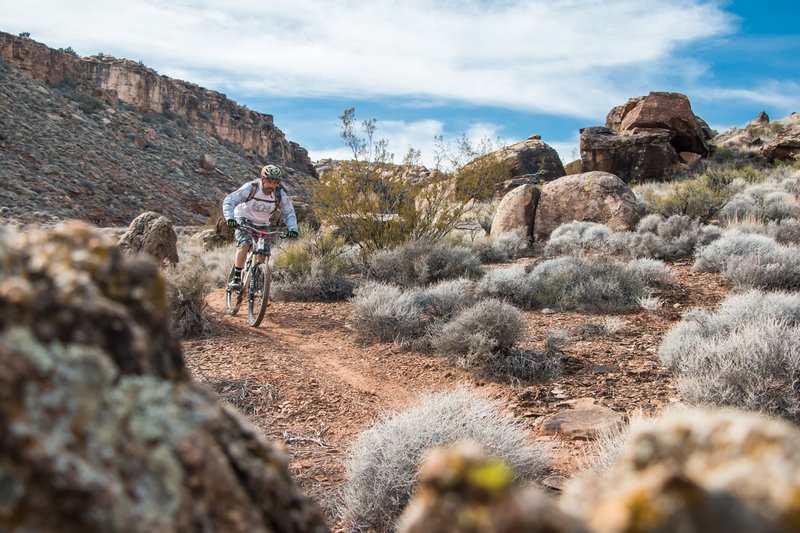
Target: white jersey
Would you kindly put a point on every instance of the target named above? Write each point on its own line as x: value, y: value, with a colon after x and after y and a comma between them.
x: 259, y: 208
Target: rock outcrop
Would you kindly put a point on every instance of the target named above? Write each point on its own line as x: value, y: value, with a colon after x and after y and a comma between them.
x: 108, y: 79
x: 785, y: 146
x: 151, y: 234
x: 645, y: 138
x: 102, y: 428
x: 529, y: 161
x: 590, y: 197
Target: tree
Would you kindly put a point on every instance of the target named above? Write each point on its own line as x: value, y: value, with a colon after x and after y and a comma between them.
x: 379, y: 204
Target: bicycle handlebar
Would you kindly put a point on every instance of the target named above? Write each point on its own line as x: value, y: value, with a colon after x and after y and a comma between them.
x: 255, y: 232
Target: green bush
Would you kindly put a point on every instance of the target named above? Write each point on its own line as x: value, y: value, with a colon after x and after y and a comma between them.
x: 383, y: 461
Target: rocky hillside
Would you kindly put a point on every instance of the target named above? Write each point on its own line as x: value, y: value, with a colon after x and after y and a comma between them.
x: 67, y: 154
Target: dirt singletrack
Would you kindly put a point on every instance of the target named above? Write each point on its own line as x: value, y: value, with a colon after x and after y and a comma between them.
x: 305, y: 379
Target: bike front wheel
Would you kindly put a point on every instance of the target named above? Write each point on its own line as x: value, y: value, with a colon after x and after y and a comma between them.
x: 258, y: 299
x: 233, y: 298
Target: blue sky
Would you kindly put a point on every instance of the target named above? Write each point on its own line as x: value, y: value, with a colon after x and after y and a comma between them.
x: 502, y: 70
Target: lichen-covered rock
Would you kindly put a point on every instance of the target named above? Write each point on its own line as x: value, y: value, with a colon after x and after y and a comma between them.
x: 101, y: 428
x: 152, y: 234
x: 588, y: 197
x: 697, y: 470
x: 462, y: 489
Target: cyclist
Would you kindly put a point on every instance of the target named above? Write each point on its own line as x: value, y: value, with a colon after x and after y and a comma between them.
x: 254, y: 202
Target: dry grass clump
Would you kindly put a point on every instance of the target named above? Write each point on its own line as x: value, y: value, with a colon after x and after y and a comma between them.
x: 744, y: 354
x: 383, y: 462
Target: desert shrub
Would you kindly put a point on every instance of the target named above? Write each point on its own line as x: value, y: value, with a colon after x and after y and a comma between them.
x: 188, y: 284
x: 487, y: 330
x: 506, y: 247
x: 744, y: 354
x: 218, y: 262
x: 694, y: 197
x: 421, y: 263
x: 575, y: 237
x: 750, y: 260
x: 442, y: 300
x: 385, y: 313
x: 592, y: 284
x: 313, y: 269
x: 383, y: 461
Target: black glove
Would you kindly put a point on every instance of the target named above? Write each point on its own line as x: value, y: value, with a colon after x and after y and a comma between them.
x: 292, y: 234
x: 231, y: 223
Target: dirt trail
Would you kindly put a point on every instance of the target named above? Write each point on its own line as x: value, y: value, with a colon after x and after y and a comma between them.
x: 304, y: 379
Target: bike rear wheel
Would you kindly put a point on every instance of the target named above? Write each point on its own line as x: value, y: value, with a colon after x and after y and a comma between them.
x: 233, y: 298
x: 258, y: 299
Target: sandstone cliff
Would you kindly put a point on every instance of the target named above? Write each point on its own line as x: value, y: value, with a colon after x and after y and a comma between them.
x: 108, y: 79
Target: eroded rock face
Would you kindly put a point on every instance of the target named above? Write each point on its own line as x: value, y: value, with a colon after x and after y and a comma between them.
x: 152, y: 234
x: 698, y: 471
x: 629, y: 156
x: 101, y: 428
x: 589, y: 197
x: 785, y: 146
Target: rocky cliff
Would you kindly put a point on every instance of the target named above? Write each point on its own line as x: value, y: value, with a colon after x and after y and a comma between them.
x: 107, y: 78
x: 66, y: 154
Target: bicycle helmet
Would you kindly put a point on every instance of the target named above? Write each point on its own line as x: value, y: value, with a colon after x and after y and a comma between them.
x: 272, y: 172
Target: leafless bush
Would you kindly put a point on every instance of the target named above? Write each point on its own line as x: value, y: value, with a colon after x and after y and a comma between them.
x: 383, y: 461
x: 188, y: 284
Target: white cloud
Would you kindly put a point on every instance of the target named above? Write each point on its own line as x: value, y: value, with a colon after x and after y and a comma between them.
x: 543, y: 56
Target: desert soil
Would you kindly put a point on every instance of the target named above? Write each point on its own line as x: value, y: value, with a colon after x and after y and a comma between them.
x: 305, y: 380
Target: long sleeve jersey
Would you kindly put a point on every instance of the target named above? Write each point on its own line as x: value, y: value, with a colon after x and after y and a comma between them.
x: 259, y: 208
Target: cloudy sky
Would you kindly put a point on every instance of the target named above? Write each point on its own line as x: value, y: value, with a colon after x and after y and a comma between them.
x: 502, y: 69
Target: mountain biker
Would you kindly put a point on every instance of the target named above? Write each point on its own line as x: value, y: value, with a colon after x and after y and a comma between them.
x: 254, y: 202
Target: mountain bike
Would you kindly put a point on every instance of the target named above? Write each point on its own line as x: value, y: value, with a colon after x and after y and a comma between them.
x: 255, y: 277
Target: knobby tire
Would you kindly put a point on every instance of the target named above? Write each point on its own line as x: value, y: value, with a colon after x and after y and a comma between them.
x: 233, y: 299
x: 258, y: 299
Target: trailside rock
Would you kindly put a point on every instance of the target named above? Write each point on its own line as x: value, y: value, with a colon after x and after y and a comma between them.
x: 516, y: 210
x: 152, y: 234
x: 591, y: 197
x: 697, y: 470
x: 585, y: 422
x: 462, y: 489
x: 102, y: 428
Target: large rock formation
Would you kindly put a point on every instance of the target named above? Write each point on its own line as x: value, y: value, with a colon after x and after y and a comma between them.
x: 646, y: 138
x: 590, y: 197
x: 108, y: 79
x: 101, y: 428
x: 785, y: 146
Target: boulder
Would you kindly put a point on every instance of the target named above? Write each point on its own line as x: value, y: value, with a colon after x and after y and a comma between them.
x: 151, y: 234
x: 628, y: 155
x: 785, y: 146
x: 208, y: 162
x: 663, y: 111
x: 532, y: 158
x: 697, y: 471
x: 591, y: 197
x: 516, y: 210
x: 103, y: 429
x: 463, y: 489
